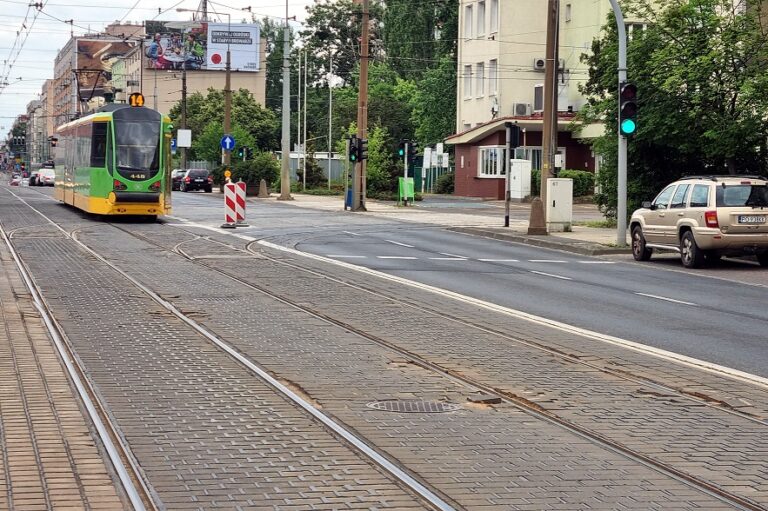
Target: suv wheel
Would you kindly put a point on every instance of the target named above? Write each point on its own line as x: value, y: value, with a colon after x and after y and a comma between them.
x: 639, y: 251
x: 762, y: 258
x: 690, y: 253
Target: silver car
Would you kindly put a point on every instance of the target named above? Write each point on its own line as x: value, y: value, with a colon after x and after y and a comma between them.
x: 704, y: 218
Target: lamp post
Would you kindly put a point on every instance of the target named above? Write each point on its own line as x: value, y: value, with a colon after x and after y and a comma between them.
x: 225, y: 154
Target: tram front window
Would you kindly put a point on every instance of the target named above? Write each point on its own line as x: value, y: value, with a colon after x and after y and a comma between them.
x: 138, y: 148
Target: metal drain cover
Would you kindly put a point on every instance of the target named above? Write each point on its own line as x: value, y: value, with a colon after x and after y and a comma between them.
x: 413, y: 406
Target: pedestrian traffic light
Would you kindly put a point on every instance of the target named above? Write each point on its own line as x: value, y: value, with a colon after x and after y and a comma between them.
x: 627, y: 109
x: 362, y: 149
x: 401, y: 148
x: 353, y: 154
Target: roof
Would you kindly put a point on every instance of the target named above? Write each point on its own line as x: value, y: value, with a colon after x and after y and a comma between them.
x: 535, y: 122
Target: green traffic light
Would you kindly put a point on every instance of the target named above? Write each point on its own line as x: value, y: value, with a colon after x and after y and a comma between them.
x: 401, y: 152
x: 628, y: 126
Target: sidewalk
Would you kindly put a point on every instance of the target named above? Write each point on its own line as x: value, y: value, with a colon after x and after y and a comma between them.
x: 485, y: 218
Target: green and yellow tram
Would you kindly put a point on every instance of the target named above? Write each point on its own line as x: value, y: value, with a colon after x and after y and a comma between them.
x: 115, y: 162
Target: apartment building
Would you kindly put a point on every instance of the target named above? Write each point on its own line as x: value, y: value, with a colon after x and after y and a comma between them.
x: 501, y: 63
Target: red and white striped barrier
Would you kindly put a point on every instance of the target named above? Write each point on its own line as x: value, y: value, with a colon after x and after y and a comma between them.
x: 230, y: 208
x: 240, y: 203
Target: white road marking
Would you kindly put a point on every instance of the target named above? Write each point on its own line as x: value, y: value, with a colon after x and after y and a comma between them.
x: 596, y: 262
x: 551, y: 275
x: 395, y: 257
x: 448, y: 259
x: 668, y: 299
x: 351, y: 233
x: 685, y: 360
x: 340, y: 256
x: 398, y: 243
x: 545, y: 261
x: 499, y: 260
x: 452, y: 255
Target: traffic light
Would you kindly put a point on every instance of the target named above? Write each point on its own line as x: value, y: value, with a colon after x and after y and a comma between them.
x: 353, y: 151
x: 248, y: 153
x: 401, y: 148
x: 627, y: 109
x: 362, y: 149
x: 241, y: 152
x: 413, y: 149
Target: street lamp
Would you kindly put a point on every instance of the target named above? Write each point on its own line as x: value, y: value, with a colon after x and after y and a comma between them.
x: 225, y: 154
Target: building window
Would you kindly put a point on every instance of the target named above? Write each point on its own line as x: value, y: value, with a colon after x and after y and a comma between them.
x: 468, y: 22
x: 490, y: 161
x: 481, y: 18
x: 493, y: 76
x: 635, y: 30
x: 467, y: 82
x: 480, y: 79
x: 568, y: 12
x: 494, y: 16
x: 538, y: 98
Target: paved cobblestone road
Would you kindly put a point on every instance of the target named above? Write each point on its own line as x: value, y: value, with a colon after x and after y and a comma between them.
x: 160, y: 382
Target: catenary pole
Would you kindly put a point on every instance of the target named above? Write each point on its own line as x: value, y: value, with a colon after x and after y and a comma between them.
x: 549, y: 134
x: 285, y: 171
x: 621, y: 206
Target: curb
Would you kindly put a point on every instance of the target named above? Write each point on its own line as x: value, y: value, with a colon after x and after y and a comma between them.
x: 566, y: 244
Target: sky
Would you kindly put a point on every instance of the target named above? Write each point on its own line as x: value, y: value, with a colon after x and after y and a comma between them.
x: 30, y: 37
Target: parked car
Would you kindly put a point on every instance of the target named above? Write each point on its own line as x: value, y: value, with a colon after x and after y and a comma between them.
x: 46, y: 177
x: 197, y: 179
x: 15, y: 180
x: 704, y: 218
x: 176, y: 176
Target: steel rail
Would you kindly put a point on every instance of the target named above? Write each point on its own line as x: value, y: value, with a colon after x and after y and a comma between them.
x: 137, y: 492
x: 521, y: 403
x: 399, y: 473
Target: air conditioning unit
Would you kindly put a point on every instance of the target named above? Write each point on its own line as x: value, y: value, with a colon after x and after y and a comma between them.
x: 521, y: 109
x: 540, y: 64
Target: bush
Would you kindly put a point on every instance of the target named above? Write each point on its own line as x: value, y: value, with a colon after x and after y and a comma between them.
x: 445, y: 183
x: 583, y: 182
x: 262, y: 166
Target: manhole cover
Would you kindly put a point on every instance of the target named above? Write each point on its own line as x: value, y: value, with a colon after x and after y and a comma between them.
x: 413, y: 406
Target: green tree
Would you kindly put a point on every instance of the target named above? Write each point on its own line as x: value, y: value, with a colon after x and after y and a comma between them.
x: 703, y: 95
x: 260, y: 125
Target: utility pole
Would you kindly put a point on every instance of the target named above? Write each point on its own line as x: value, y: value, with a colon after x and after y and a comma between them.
x: 621, y: 206
x: 226, y: 155
x: 285, y: 171
x: 298, y: 125
x: 184, y: 109
x: 330, y: 113
x: 358, y: 182
x: 549, y: 135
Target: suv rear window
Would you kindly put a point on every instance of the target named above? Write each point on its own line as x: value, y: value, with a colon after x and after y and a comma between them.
x: 742, y: 195
x: 198, y: 173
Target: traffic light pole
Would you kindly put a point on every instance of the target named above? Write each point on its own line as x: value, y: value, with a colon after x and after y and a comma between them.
x: 621, y: 206
x: 358, y: 183
x: 405, y: 167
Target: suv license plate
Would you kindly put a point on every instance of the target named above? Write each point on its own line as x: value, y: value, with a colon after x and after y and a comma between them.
x: 198, y: 180
x: 751, y: 219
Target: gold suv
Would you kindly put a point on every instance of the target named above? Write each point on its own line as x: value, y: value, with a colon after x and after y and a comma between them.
x: 703, y: 218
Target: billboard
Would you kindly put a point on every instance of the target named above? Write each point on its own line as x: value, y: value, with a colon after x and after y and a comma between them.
x: 94, y: 64
x: 200, y: 45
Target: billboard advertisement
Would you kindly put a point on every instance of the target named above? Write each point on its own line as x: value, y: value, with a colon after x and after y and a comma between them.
x: 199, y: 45
x: 94, y: 64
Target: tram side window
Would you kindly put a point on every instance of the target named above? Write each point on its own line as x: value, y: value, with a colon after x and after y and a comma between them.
x: 99, y: 144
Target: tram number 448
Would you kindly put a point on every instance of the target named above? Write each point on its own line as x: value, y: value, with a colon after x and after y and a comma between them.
x: 138, y: 177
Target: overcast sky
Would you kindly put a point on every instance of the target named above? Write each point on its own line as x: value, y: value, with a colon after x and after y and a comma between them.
x: 46, y: 33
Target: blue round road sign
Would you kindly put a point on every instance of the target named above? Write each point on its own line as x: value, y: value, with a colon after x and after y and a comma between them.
x: 228, y: 142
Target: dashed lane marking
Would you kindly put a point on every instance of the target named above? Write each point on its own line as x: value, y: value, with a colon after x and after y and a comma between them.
x: 667, y: 299
x: 396, y: 257
x: 551, y: 275
x: 596, y: 262
x: 398, y: 243
x: 453, y: 255
x: 448, y: 259
x: 499, y: 260
x: 545, y: 261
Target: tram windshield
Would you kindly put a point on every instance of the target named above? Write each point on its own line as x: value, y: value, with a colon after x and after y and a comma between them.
x: 138, y: 145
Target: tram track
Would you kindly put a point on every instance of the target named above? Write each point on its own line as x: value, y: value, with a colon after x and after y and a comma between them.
x: 517, y: 401
x: 143, y: 500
